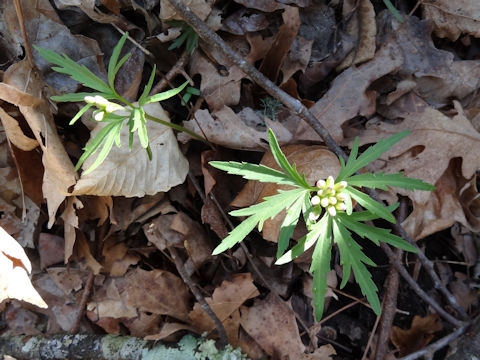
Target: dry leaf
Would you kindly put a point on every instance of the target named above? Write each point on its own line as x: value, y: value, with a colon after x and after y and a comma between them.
x: 348, y: 96
x: 201, y: 8
x: 421, y: 332
x: 116, y: 259
x: 152, y: 291
x: 243, y: 21
x: 226, y: 128
x: 70, y: 221
x: 324, y: 352
x: 264, y: 5
x: 15, y: 133
x: 362, y: 25
x: 315, y: 162
x: 51, y: 249
x: 226, y: 299
x: 107, y: 301
x: 130, y: 173
x: 14, y: 269
x: 82, y: 251
x: 451, y: 19
x: 272, y: 324
x: 297, y: 58
x: 68, y: 280
x: 167, y: 330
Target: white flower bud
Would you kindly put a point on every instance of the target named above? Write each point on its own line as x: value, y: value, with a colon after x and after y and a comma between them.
x: 98, y: 115
x: 89, y: 99
x: 101, y: 101
x: 320, y: 192
x: 332, y: 200
x: 111, y: 107
x: 342, y: 197
x: 332, y: 211
x: 321, y: 184
x: 324, y: 202
x: 315, y: 200
x: 341, y: 206
x: 340, y: 186
x: 330, y: 182
x: 313, y: 216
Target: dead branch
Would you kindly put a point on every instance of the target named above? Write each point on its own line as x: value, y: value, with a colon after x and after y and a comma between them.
x: 217, y: 42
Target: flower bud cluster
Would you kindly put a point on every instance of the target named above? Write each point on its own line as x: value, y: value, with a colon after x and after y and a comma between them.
x: 328, y: 197
x: 104, y: 106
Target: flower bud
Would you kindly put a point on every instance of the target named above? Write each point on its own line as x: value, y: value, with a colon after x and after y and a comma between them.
x: 330, y: 182
x: 101, y: 101
x: 321, y: 184
x: 341, y: 206
x: 313, y: 216
x: 332, y: 200
x: 324, y: 202
x: 342, y: 197
x: 315, y: 200
x: 320, y: 192
x: 89, y: 99
x: 332, y: 211
x: 111, y: 107
x: 98, y: 115
x: 340, y: 186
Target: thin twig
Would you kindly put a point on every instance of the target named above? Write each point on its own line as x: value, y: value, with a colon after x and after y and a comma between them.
x: 83, y: 302
x: 342, y: 309
x: 174, y: 71
x: 201, y: 300
x: 370, y: 338
x: 432, y: 348
x: 390, y: 298
x: 217, y: 42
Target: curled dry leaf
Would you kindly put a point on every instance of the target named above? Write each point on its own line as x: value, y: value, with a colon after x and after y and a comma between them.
x: 419, y: 335
x: 273, y: 325
x: 117, y: 260
x: 362, y: 26
x: 15, y: 133
x: 130, y: 173
x: 315, y: 162
x: 14, y: 273
x: 451, y: 19
x: 201, y: 8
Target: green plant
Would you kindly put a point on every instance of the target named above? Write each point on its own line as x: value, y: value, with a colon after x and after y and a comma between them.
x: 269, y: 107
x: 188, y: 37
x: 107, y: 111
x: 328, y: 214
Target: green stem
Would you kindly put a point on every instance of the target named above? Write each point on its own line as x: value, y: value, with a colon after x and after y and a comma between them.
x: 177, y: 127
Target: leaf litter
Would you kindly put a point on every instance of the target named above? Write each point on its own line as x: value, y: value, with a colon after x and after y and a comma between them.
x: 371, y: 78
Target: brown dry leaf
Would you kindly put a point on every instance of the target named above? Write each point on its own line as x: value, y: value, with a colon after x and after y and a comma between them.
x: 362, y: 26
x: 213, y: 217
x: 226, y: 299
x: 59, y: 172
x: 19, y: 321
x: 421, y: 332
x: 14, y: 132
x: 51, y: 249
x: 151, y: 291
x: 82, y: 251
x: 14, y: 269
x: 70, y: 221
x: 451, y: 19
x: 130, y: 173
x: 465, y: 294
x: 167, y: 330
x: 201, y: 8
x: 349, y: 97
x: 273, y: 326
x: 244, y: 21
x: 324, y: 352
x: 282, y: 43
x: 96, y: 208
x: 109, y: 302
x: 465, y: 243
x: 68, y: 280
x: 116, y: 258
x: 264, y: 5
x: 146, y: 323
x: 226, y: 128
x: 297, y: 58
x: 315, y: 162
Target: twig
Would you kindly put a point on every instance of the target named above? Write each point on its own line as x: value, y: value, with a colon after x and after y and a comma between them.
x: 217, y: 42
x: 370, y: 338
x: 174, y: 71
x: 83, y: 302
x: 432, y: 348
x: 201, y: 300
x: 342, y: 309
x: 390, y: 298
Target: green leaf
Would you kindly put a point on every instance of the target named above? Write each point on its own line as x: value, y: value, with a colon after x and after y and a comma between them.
x: 305, y: 242
x: 75, y: 97
x: 352, y: 257
x: 289, y: 224
x: 383, y: 181
x: 321, y: 266
x: 393, y: 10
x: 80, y: 113
x: 258, y: 214
x: 148, y: 87
x: 254, y: 172
x: 142, y: 130
x: 375, y: 234
x: 368, y: 215
x: 372, y: 153
x: 282, y: 161
x: 166, y: 94
x: 114, y: 58
x: 77, y: 72
x: 368, y: 203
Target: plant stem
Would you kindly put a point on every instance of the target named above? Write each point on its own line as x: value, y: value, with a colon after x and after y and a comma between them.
x: 177, y: 127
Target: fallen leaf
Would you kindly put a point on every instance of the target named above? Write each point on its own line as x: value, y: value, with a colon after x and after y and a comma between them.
x: 14, y: 132
x: 265, y: 5
x: 201, y: 8
x: 297, y: 58
x: 51, y: 249
x: 226, y: 299
x: 20, y: 321
x: 324, y: 352
x: 453, y: 19
x: 82, y: 251
x: 243, y: 21
x: 107, y: 301
x: 116, y: 259
x: 70, y: 221
x: 167, y: 330
x: 272, y: 324
x: 419, y: 335
x: 68, y: 280
x: 14, y: 273
x: 152, y: 291
x: 315, y: 162
x: 465, y: 294
x: 362, y: 25
x: 130, y: 173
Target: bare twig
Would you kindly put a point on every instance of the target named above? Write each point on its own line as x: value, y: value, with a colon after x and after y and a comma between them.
x: 174, y: 71
x: 342, y: 309
x: 83, y: 302
x: 432, y: 348
x: 201, y: 300
x: 370, y: 338
x: 217, y: 42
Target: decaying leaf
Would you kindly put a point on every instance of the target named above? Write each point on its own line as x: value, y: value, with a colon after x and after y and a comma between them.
x: 272, y: 324
x: 14, y: 269
x: 451, y: 19
x: 362, y: 25
x: 315, y: 162
x: 130, y: 173
x: 117, y: 260
x: 201, y: 8
x: 421, y: 332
